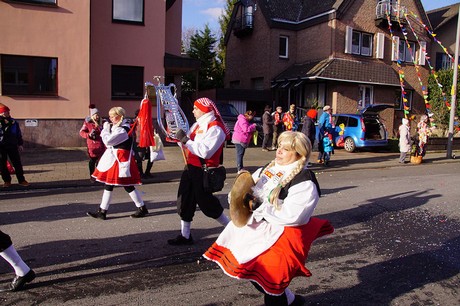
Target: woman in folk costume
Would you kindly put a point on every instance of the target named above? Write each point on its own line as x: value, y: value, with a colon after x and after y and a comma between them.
x: 117, y: 167
x: 270, y: 249
x: 205, y: 141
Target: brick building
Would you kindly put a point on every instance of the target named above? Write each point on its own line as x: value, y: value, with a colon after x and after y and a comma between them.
x: 338, y: 53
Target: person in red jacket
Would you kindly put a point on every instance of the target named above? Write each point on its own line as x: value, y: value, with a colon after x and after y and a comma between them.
x: 91, y: 131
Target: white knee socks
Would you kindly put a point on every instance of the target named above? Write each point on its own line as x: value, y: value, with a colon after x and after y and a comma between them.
x: 136, y: 197
x: 106, y: 198
x: 185, y: 228
x: 13, y: 258
x: 223, y: 219
x: 290, y: 296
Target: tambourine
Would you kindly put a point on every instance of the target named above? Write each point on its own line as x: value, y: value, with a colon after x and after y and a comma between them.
x: 239, y: 212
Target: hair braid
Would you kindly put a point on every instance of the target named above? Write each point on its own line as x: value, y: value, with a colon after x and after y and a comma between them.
x: 274, y: 194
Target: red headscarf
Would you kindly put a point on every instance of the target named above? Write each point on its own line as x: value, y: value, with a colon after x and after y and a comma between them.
x: 207, y: 105
x: 3, y: 108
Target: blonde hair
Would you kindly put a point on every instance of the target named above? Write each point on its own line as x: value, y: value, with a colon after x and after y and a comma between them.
x: 291, y: 141
x: 119, y: 111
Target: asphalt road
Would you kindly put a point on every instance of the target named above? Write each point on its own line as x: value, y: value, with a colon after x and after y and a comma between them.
x: 396, y: 242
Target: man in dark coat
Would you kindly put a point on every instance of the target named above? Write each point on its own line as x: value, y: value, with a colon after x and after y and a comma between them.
x: 267, y: 126
x: 309, y: 128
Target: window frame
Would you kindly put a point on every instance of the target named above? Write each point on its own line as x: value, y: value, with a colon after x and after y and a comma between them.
x: 284, y: 55
x: 23, y: 72
x: 138, y: 80
x: 408, y: 57
x: 363, y: 89
x: 398, y: 99
x: 127, y: 21
x: 359, y: 46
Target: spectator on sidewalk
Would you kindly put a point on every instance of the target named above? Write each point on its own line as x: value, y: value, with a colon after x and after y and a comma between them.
x: 291, y: 123
x: 267, y: 127
x: 117, y: 167
x: 423, y: 131
x: 328, y: 147
x: 325, y: 124
x: 404, y: 140
x: 91, y: 131
x: 278, y: 125
x: 242, y: 135
x: 11, y: 145
x: 24, y: 274
x: 309, y: 128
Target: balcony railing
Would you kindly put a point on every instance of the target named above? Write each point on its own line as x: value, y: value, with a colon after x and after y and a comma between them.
x: 243, y: 25
x: 392, y: 9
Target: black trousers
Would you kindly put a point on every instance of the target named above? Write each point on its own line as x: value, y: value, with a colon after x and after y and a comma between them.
x: 12, y: 153
x: 5, y: 241
x: 191, y: 194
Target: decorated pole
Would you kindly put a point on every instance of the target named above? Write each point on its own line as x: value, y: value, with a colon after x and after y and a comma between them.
x: 453, y: 108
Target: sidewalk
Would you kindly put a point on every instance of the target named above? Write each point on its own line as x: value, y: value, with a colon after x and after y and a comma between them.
x: 68, y: 167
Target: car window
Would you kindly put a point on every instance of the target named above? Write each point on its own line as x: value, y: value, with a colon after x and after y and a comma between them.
x: 227, y: 110
x: 340, y: 120
x: 352, y: 122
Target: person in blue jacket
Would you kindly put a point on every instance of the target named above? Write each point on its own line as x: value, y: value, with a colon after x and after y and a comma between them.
x: 325, y: 123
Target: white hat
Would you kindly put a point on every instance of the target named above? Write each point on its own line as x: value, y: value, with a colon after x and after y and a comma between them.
x: 93, y: 110
x: 327, y: 107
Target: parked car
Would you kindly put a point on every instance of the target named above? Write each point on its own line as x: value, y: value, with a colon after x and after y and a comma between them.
x: 363, y: 130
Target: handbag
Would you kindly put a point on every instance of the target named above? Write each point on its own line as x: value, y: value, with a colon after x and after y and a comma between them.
x: 213, y: 177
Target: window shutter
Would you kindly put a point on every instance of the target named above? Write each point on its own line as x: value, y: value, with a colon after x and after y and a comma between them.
x: 380, y: 48
x: 395, y: 49
x: 421, y: 58
x: 348, y: 39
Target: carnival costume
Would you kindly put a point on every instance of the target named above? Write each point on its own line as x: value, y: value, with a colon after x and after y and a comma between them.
x: 117, y: 165
x: 272, y: 247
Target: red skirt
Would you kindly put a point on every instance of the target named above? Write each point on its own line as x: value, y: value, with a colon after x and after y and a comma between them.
x: 274, y: 269
x: 112, y: 175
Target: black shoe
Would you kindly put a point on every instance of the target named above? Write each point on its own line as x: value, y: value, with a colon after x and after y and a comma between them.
x: 181, y: 240
x: 141, y: 212
x: 19, y: 281
x: 299, y: 301
x: 100, y: 214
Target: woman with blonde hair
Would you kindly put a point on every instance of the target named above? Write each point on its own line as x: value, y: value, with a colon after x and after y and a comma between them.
x: 117, y: 166
x: 271, y: 248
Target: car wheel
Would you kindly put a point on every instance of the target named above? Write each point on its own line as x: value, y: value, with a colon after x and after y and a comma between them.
x: 349, y: 145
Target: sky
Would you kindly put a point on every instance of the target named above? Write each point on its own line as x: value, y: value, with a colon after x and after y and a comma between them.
x: 197, y: 13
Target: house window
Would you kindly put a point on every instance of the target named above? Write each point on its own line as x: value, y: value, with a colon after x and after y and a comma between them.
x: 127, y: 82
x: 28, y: 75
x: 131, y: 11
x: 443, y: 61
x: 361, y: 43
x: 257, y: 83
x: 284, y: 47
x: 399, y: 105
x: 406, y: 55
x: 366, y: 96
x: 47, y: 2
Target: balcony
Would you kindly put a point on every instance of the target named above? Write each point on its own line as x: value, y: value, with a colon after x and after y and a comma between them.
x: 396, y: 12
x: 243, y: 25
